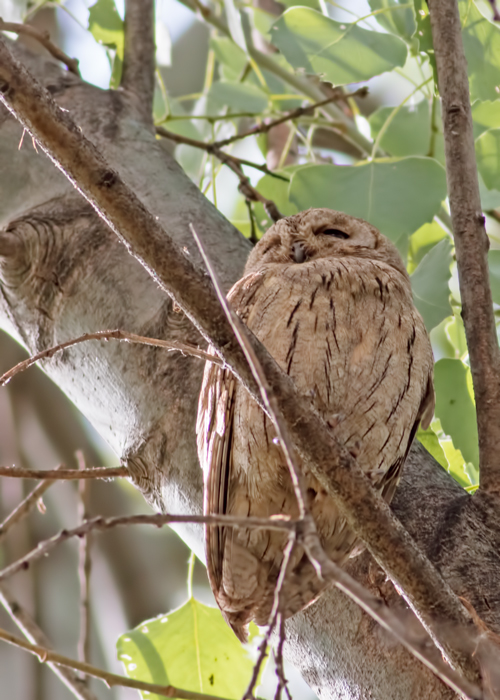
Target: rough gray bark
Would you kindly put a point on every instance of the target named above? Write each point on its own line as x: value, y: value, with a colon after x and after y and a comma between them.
x: 70, y: 276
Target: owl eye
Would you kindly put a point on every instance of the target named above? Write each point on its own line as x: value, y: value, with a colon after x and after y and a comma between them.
x: 335, y: 232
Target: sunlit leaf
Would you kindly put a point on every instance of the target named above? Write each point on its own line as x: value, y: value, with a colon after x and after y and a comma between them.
x: 422, y: 241
x: 488, y: 158
x: 396, y: 196
x: 342, y: 53
x: 429, y: 283
x: 278, y: 192
x: 191, y: 648
x: 398, y: 18
x: 455, y: 408
x: 240, y: 97
x: 430, y: 441
x: 408, y: 133
x: 106, y: 25
x: 235, y: 24
x: 455, y: 332
x: 232, y: 58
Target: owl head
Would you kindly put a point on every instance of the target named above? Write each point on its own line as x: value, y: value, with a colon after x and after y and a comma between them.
x: 322, y: 233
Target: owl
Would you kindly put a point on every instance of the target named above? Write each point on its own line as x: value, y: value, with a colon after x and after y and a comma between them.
x: 330, y: 298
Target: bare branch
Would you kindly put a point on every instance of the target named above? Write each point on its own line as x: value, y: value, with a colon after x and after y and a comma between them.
x: 100, y: 523
x: 496, y: 14
x: 111, y: 679
x: 24, y: 507
x: 43, y: 38
x: 333, y: 466
x: 84, y: 564
x: 106, y: 335
x: 61, y: 474
x: 139, y: 55
x: 35, y: 635
x: 265, y: 127
x: 214, y: 149
x: 471, y: 241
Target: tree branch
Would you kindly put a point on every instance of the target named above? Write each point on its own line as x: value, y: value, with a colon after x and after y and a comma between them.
x: 471, y: 241
x: 104, y: 335
x: 44, y: 39
x: 111, y: 679
x: 331, y: 464
x: 59, y: 474
x: 139, y: 56
x: 35, y: 635
x: 24, y: 507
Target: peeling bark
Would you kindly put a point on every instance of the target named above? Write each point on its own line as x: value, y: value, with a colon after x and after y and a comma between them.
x: 70, y: 275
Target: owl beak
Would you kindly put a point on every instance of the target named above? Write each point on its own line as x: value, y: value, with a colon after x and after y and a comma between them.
x: 299, y: 253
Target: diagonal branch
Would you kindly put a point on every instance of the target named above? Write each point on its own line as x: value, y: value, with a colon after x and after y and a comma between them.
x: 333, y: 466
x: 59, y: 474
x: 110, y: 679
x: 36, y: 636
x: 471, y: 241
x: 139, y: 56
x: 44, y: 39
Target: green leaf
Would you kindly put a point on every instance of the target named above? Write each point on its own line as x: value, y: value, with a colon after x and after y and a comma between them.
x: 399, y: 17
x: 240, y: 97
x: 488, y: 158
x: 429, y: 283
x: 408, y: 133
x: 342, y: 53
x: 481, y: 39
x: 232, y: 58
x: 396, y: 196
x: 455, y: 407
x: 235, y: 24
x: 422, y: 241
x: 455, y: 332
x: 106, y: 25
x: 485, y: 115
x: 494, y: 266
x: 191, y: 648
x: 430, y: 441
x: 490, y: 199
x: 424, y: 33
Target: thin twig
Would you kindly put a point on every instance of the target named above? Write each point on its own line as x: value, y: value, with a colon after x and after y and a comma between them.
x: 35, y: 635
x: 46, y: 655
x: 211, y: 148
x: 139, y: 53
x: 43, y: 38
x: 265, y: 127
x: 26, y: 505
x: 249, y: 694
x: 471, y: 241
x: 280, y: 523
x: 84, y: 564
x: 280, y: 670
x: 496, y: 14
x: 107, y: 335
x: 61, y: 474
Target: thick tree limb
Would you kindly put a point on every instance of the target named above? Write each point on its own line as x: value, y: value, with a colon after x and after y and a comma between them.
x: 334, y: 467
x: 139, y: 55
x: 471, y: 241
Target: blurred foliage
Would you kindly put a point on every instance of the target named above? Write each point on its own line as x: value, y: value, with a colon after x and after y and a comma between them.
x: 380, y: 159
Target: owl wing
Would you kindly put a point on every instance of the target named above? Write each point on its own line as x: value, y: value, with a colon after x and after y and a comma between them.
x: 425, y: 413
x: 214, y: 432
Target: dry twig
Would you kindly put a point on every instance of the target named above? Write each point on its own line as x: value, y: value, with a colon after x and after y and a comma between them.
x: 105, y: 335
x: 84, y: 564
x: 44, y: 39
x: 24, y: 507
x: 61, y: 474
x: 34, y: 634
x: 46, y: 655
x: 265, y: 127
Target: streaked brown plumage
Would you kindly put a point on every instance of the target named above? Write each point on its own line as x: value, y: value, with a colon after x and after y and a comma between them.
x: 330, y: 298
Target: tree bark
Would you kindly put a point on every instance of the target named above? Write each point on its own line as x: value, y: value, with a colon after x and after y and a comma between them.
x: 63, y: 273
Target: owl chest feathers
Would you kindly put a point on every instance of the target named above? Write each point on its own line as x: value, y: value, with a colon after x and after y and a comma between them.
x: 346, y: 331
